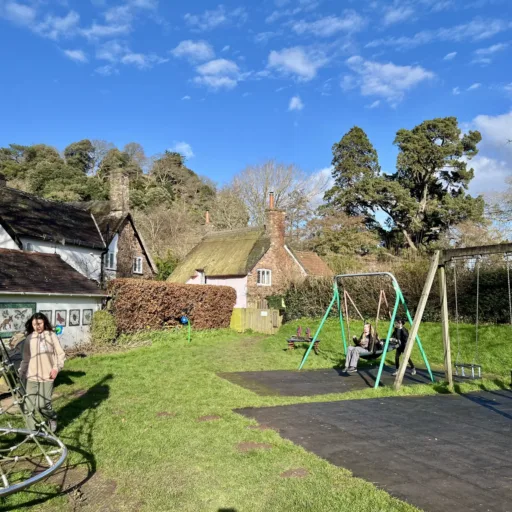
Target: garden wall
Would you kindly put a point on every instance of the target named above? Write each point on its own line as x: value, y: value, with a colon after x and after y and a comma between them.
x: 138, y: 304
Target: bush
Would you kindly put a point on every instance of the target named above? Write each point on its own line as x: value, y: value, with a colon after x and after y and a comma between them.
x: 138, y: 304
x: 103, y: 328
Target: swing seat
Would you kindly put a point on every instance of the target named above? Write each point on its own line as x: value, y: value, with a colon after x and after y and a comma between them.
x: 463, y: 366
x: 378, y: 353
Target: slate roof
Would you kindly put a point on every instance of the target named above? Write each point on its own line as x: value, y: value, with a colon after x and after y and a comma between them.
x: 35, y: 272
x: 23, y: 214
x: 224, y: 253
x: 313, y: 264
x: 107, y: 222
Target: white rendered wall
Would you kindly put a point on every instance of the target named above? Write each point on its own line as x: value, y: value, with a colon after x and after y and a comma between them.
x: 111, y: 274
x: 71, y: 335
x: 6, y: 242
x: 238, y: 283
x: 84, y: 260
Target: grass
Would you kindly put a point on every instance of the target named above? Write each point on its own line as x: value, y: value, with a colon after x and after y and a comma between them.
x: 140, y: 459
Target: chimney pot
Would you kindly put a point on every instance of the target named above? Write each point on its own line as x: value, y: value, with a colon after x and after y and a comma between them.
x: 271, y: 201
x: 207, y: 217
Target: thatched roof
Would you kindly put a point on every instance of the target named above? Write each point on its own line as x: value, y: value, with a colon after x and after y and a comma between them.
x: 224, y: 253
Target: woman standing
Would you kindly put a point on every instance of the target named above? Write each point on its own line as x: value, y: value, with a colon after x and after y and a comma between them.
x: 43, y: 358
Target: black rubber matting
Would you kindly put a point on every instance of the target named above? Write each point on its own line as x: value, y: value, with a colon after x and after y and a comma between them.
x: 440, y: 453
x: 321, y: 382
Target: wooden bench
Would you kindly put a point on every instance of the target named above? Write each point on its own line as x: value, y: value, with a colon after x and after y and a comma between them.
x: 299, y: 339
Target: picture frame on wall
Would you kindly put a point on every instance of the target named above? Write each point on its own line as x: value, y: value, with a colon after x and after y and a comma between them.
x: 61, y: 316
x: 48, y: 313
x: 74, y: 317
x: 13, y: 316
x: 87, y: 316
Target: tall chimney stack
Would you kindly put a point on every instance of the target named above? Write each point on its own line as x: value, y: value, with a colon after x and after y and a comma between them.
x: 275, y: 226
x: 207, y: 218
x: 119, y: 191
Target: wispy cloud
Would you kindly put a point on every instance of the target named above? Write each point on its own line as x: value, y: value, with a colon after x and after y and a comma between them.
x: 111, y: 51
x: 107, y: 70
x: 450, y: 56
x: 214, y: 18
x: 186, y: 98
x: 484, y: 55
x: 141, y: 60
x: 184, y: 148
x: 474, y: 86
x: 297, y: 61
x: 218, y: 74
x: 397, y: 14
x: 373, y: 105
x: 18, y: 13
x: 76, y: 55
x: 295, y: 103
x: 331, y: 25
x: 195, y: 51
x: 98, y: 31
x: 456, y: 91
x: 387, y: 80
x: 476, y: 30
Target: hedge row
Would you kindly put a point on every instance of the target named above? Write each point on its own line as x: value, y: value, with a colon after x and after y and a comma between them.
x: 138, y: 304
x: 311, y: 297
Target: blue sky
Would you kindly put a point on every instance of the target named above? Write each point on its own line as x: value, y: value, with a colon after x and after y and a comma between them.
x: 234, y: 83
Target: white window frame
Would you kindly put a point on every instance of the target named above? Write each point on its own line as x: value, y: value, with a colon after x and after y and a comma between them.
x: 137, y: 265
x: 202, y: 277
x: 264, y: 277
x: 110, y: 261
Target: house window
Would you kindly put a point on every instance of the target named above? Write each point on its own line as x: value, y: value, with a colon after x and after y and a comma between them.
x: 264, y: 277
x: 137, y: 265
x: 29, y: 246
x: 110, y: 261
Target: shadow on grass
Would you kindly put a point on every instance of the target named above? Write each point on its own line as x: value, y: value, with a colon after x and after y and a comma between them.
x: 81, y: 463
x: 65, y: 377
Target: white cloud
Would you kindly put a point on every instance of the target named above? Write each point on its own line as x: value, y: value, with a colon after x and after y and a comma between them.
x: 456, y: 91
x: 490, y: 174
x: 111, y: 51
x: 55, y: 27
x: 484, y: 55
x: 387, y: 80
x: 264, y: 37
x: 18, y: 13
x: 476, y: 30
x: 218, y: 74
x: 184, y: 148
x: 496, y: 130
x: 144, y: 4
x: 187, y: 97
x: 373, y: 105
x: 397, y: 14
x: 120, y: 14
x: 141, y: 60
x: 226, y: 48
x: 97, y: 31
x: 320, y: 181
x: 297, y: 61
x: 76, y: 55
x: 450, y: 56
x: 331, y: 25
x: 295, y: 103
x: 211, y: 19
x: 474, y: 86
x: 194, y: 50
x: 106, y: 70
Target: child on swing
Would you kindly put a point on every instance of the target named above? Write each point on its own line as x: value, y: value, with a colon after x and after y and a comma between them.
x: 401, y: 337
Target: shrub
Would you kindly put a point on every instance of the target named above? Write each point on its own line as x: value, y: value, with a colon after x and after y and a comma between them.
x: 103, y: 328
x: 138, y: 304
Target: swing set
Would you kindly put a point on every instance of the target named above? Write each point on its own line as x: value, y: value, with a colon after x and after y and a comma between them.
x: 440, y: 261
x: 336, y: 300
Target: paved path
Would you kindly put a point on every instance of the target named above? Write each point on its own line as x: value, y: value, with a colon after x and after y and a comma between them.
x: 440, y: 453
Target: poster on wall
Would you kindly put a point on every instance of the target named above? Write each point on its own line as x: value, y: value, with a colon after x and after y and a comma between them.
x: 48, y: 313
x: 87, y: 317
x: 13, y: 316
x: 74, y: 317
x: 61, y: 317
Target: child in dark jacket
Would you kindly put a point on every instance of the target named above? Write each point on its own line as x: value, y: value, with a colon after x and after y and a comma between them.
x: 401, y: 336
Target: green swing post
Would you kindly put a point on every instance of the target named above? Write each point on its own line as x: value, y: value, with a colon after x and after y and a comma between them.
x: 343, y: 336
x: 388, y: 337
x: 335, y: 296
x: 420, y: 346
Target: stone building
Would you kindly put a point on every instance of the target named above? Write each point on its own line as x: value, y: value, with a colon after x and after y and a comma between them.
x: 256, y: 262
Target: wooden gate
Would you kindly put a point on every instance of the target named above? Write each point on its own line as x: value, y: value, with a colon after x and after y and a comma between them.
x: 265, y: 321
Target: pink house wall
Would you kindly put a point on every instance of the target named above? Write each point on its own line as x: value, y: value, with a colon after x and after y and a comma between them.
x: 238, y: 283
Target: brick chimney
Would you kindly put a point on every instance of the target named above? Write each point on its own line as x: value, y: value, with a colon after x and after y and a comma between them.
x: 275, y: 223
x: 207, y: 218
x: 119, y: 191
x: 3, y: 181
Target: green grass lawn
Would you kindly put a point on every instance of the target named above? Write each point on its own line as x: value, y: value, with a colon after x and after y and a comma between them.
x: 130, y: 421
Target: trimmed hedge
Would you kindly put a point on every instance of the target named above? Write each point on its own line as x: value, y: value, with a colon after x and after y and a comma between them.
x: 311, y: 297
x: 138, y: 304
x: 103, y: 328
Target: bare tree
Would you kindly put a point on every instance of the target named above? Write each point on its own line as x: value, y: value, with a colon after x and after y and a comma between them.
x: 229, y: 211
x: 101, y: 148
x: 287, y: 181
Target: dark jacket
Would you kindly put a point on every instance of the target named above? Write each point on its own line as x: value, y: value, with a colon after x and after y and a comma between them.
x: 402, y: 336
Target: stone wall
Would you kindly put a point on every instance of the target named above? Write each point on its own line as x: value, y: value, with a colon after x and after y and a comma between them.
x: 129, y: 247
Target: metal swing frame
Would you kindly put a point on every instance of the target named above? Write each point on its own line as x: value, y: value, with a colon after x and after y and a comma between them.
x: 399, y: 300
x: 438, y: 264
